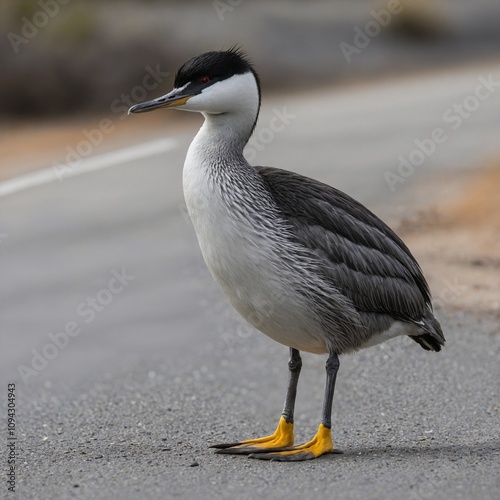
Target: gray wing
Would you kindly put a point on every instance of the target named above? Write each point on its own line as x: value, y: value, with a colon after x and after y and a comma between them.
x: 363, y: 258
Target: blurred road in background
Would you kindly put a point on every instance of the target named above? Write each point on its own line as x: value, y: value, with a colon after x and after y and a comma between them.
x: 154, y: 366
x: 88, y: 52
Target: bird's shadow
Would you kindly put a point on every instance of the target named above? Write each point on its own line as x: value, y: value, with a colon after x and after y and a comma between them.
x: 441, y: 450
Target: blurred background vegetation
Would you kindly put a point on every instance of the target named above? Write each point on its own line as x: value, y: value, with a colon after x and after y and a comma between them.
x: 67, y: 57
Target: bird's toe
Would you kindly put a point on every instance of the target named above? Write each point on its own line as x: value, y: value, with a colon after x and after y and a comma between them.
x: 281, y: 439
x: 320, y: 445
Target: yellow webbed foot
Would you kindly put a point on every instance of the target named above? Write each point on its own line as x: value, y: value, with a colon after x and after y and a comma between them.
x: 282, y: 438
x: 321, y: 443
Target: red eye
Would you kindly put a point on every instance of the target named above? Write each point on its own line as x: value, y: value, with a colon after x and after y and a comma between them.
x: 204, y: 79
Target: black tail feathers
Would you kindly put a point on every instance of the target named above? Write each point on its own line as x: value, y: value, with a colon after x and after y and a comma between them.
x: 432, y: 339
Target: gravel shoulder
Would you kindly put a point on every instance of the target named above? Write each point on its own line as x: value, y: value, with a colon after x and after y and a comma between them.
x: 457, y: 242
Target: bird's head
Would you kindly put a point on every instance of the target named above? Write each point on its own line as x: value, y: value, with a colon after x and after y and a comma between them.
x: 211, y: 83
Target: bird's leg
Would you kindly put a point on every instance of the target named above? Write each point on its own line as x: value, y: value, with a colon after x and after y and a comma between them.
x: 283, y: 435
x: 322, y: 442
x: 294, y: 367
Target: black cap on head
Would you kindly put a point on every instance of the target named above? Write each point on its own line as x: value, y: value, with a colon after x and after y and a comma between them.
x: 214, y: 66
x: 200, y: 73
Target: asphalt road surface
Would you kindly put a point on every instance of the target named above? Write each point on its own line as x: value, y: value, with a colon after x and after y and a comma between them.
x: 128, y: 362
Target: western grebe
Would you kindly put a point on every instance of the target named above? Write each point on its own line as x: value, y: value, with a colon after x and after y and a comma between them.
x: 301, y: 261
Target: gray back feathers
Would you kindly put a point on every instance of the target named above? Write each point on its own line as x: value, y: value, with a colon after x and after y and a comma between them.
x: 363, y: 258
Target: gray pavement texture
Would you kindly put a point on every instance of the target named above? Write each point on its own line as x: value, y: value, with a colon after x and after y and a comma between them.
x: 411, y: 424
x: 127, y: 408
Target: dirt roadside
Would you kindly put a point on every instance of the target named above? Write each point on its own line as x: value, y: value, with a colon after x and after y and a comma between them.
x: 457, y: 242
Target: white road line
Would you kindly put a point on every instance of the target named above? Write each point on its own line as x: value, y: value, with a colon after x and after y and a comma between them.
x: 91, y: 164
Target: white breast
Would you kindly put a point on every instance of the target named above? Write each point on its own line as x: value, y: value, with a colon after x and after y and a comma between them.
x: 246, y: 263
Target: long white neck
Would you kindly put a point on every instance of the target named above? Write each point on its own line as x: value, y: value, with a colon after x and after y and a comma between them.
x: 226, y: 131
x: 230, y: 109
x: 215, y: 171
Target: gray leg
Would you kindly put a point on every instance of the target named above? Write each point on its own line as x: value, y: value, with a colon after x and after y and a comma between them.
x: 322, y: 442
x: 332, y: 367
x: 294, y: 366
x: 282, y: 438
